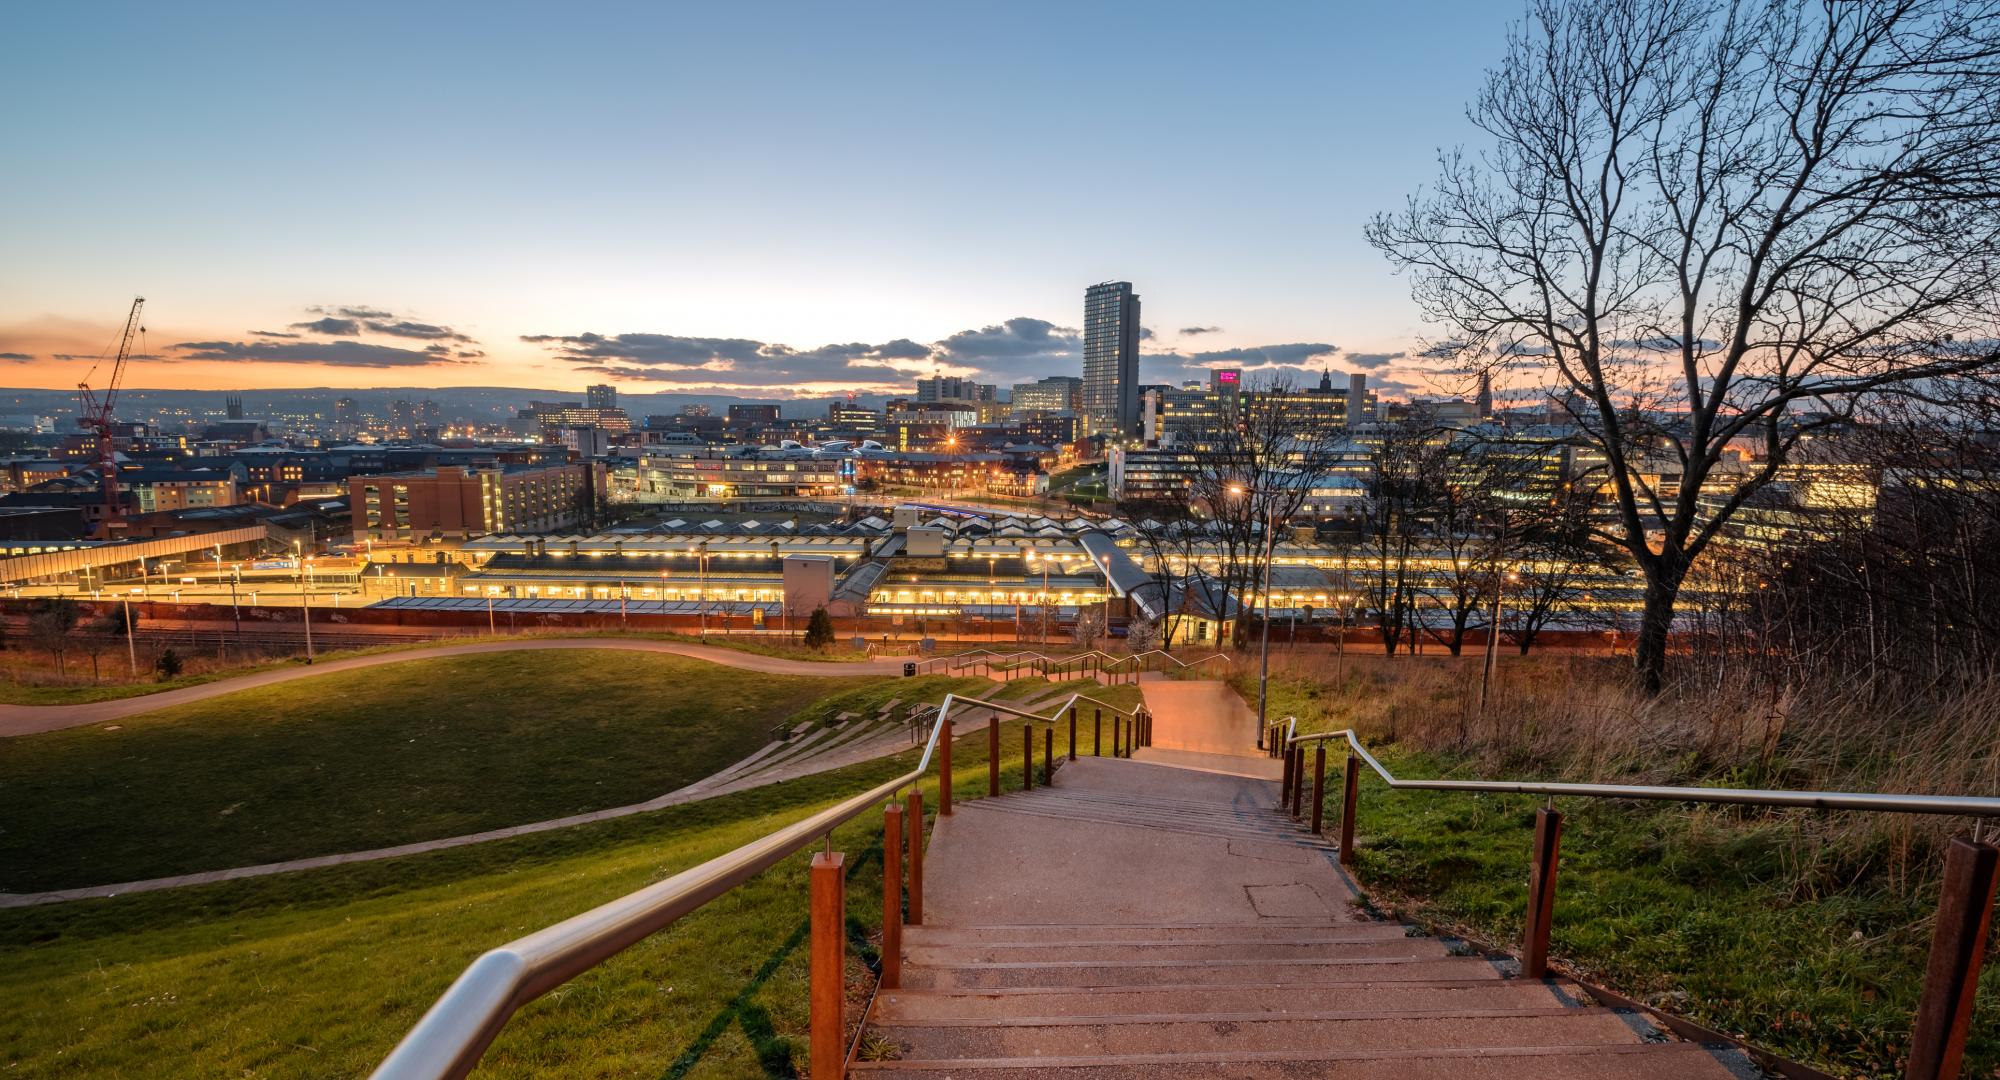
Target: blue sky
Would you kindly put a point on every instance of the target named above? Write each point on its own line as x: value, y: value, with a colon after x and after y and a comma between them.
x: 716, y: 193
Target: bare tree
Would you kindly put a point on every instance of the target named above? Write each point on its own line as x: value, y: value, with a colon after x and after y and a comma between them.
x: 1709, y: 223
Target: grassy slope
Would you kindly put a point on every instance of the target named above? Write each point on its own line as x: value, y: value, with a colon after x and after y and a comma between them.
x: 318, y: 974
x: 20, y: 693
x: 1677, y: 906
x: 386, y: 756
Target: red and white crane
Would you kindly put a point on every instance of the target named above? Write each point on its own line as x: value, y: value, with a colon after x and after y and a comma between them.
x: 95, y: 415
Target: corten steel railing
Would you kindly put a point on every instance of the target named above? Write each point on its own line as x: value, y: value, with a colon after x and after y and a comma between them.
x: 1965, y: 901
x: 450, y: 1038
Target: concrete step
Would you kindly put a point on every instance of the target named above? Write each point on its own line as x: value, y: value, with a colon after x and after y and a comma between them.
x: 1036, y: 934
x: 1148, y: 952
x: 1274, y: 831
x: 1060, y: 973
x: 1112, y: 1001
x: 1636, y: 1061
x: 1329, y: 1030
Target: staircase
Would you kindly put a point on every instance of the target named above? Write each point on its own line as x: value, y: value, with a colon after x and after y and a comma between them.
x: 1159, y: 918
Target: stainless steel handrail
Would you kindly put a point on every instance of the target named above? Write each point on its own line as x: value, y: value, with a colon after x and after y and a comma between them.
x: 1961, y: 805
x: 1046, y: 658
x: 450, y: 1038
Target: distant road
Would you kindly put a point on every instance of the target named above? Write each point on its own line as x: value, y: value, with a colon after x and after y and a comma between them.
x: 35, y: 719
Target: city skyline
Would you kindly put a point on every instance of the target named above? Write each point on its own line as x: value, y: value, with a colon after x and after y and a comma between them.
x: 367, y: 217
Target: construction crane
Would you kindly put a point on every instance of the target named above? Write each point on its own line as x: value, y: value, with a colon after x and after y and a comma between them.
x: 95, y: 414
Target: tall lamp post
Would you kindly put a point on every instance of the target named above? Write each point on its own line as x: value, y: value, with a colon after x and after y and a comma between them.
x: 1264, y: 646
x: 305, y: 608
x: 235, y: 611
x: 1493, y: 634
x: 701, y: 554
x: 131, y: 650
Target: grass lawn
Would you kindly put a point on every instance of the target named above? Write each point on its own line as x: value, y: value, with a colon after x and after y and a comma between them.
x: 13, y: 692
x: 1675, y: 906
x: 320, y: 973
x: 386, y: 756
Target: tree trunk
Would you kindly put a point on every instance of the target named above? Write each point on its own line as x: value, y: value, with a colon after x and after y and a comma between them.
x: 1656, y: 620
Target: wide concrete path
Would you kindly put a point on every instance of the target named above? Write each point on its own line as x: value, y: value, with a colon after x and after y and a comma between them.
x: 1139, y: 920
x: 1204, y: 725
x: 35, y: 719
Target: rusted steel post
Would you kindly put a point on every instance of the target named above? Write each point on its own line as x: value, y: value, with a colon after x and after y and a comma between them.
x: 1072, y: 733
x: 1048, y: 755
x: 1298, y: 780
x: 1541, y: 893
x: 1027, y: 758
x: 1958, y: 948
x: 828, y: 1043
x: 944, y: 770
x: 1319, y: 786
x: 1348, y: 797
x: 1117, y: 731
x: 1285, y: 779
x: 1097, y: 733
x: 914, y: 814
x: 993, y: 756
x: 892, y: 897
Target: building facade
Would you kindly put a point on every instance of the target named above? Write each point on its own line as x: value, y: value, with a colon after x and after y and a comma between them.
x: 1111, y: 359
x: 454, y: 502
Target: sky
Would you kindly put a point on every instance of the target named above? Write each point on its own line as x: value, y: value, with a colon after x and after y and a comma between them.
x: 763, y: 199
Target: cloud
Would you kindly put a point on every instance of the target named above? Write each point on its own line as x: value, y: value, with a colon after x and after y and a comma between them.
x: 406, y: 328
x: 1268, y: 356
x: 352, y: 321
x: 1191, y: 331
x: 16, y: 357
x: 357, y: 312
x: 739, y: 362
x: 331, y: 327
x: 353, y: 354
x: 1146, y: 333
x: 1371, y: 361
x: 271, y: 334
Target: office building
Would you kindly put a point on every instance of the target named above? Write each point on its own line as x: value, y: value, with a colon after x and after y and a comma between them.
x: 601, y: 396
x: 741, y: 416
x: 1055, y: 394
x: 1111, y: 359
x: 952, y: 388
x: 455, y: 502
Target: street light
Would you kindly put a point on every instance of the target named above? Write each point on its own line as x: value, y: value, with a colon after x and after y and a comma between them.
x: 1264, y: 648
x: 131, y: 650
x: 236, y: 612
x: 305, y: 607
x: 1493, y: 634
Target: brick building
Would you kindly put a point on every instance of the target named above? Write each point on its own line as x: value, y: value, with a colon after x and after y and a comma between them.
x: 455, y: 503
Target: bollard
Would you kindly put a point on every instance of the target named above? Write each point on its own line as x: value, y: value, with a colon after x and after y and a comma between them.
x: 944, y: 770
x: 892, y: 896
x: 993, y: 756
x: 1347, y: 800
x: 1319, y: 786
x: 828, y: 1041
x: 1048, y: 756
x: 1958, y: 949
x: 1072, y: 733
x: 1027, y: 758
x: 1097, y: 733
x: 914, y: 815
x: 1541, y: 893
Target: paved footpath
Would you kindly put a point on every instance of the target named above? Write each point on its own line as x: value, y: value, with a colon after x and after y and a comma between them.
x: 35, y: 719
x: 1138, y: 920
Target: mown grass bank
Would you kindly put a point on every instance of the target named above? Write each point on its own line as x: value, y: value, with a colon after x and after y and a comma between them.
x: 390, y: 755
x: 320, y: 973
x: 1802, y: 931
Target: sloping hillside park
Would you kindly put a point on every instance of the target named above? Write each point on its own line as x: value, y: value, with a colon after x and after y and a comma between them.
x: 318, y: 973
x: 391, y: 755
